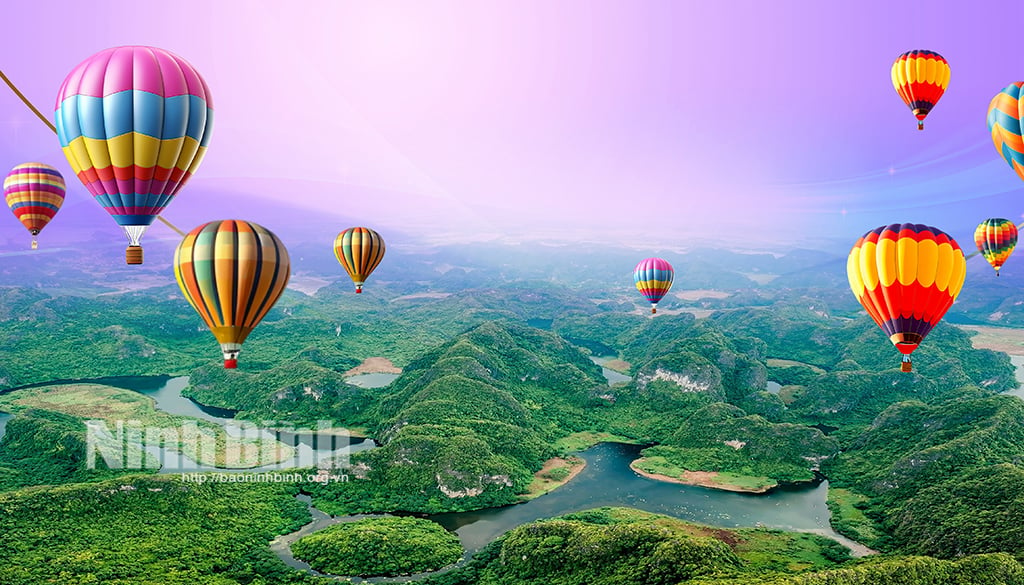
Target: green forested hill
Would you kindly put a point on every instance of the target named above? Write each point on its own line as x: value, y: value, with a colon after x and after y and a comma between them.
x: 138, y: 530
x: 468, y: 423
x: 619, y: 546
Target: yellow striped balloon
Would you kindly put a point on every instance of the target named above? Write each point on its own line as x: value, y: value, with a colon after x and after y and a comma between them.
x: 906, y: 276
x: 920, y: 78
x: 231, y: 272
x: 359, y: 250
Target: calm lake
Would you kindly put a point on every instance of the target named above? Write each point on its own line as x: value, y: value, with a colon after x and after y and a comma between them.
x: 1018, y: 362
x: 377, y: 380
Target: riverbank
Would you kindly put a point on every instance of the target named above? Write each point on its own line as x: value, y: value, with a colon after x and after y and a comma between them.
x: 708, y: 479
x: 1005, y: 339
x: 374, y: 365
x: 555, y: 473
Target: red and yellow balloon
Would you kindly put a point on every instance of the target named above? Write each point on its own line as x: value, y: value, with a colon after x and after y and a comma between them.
x: 920, y: 78
x: 906, y: 276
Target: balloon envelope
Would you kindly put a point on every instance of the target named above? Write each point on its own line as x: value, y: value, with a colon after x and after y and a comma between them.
x: 34, y: 192
x: 359, y: 250
x: 996, y: 239
x: 134, y: 123
x: 653, y: 278
x: 1004, y: 123
x: 906, y: 276
x: 231, y: 272
x: 920, y: 78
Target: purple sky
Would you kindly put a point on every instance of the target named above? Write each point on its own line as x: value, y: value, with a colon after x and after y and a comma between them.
x: 636, y: 122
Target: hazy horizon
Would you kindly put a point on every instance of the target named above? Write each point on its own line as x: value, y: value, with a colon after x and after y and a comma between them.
x: 656, y: 124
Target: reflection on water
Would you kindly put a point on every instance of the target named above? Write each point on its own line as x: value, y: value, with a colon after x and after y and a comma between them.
x: 310, y: 446
x: 773, y: 387
x: 376, y: 380
x: 166, y: 392
x: 612, y: 376
x: 1018, y: 362
x: 4, y: 417
x: 607, y: 480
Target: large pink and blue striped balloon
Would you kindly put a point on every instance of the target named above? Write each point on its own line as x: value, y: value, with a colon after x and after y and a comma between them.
x: 653, y: 278
x: 134, y: 123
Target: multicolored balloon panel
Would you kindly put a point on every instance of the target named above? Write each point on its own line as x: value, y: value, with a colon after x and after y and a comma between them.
x: 231, y: 272
x: 996, y: 239
x: 134, y: 123
x: 906, y: 276
x: 359, y: 250
x: 653, y: 278
x: 1004, y: 123
x: 34, y: 192
x: 920, y: 78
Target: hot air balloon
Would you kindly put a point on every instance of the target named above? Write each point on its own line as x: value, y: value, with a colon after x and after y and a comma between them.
x: 920, y: 77
x: 231, y: 272
x: 134, y: 123
x: 359, y: 250
x: 34, y: 192
x: 653, y: 277
x: 996, y: 239
x: 1004, y: 123
x: 906, y: 277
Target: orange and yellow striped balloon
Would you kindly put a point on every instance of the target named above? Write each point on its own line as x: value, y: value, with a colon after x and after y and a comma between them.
x: 231, y: 272
x: 920, y: 78
x: 906, y: 276
x: 359, y: 250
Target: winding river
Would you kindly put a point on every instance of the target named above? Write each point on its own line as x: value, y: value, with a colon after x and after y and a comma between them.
x: 607, y: 480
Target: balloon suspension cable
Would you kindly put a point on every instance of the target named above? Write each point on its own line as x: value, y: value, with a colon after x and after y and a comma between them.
x: 50, y: 125
x: 24, y: 99
x: 170, y: 225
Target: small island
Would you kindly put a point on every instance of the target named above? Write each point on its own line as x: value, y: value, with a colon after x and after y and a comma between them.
x: 379, y: 547
x: 658, y: 469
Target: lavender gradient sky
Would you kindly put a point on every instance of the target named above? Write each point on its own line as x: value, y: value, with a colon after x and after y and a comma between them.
x: 647, y: 122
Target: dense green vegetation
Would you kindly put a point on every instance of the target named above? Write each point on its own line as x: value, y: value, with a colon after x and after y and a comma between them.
x: 140, y: 530
x: 721, y: 437
x: 379, y: 547
x: 941, y: 478
x: 42, y: 447
x: 469, y: 423
x: 303, y: 390
x: 618, y: 545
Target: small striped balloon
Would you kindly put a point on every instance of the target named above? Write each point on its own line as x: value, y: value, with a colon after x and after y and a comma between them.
x: 359, y: 250
x: 653, y: 278
x: 996, y: 239
x: 34, y: 192
x: 1004, y: 122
